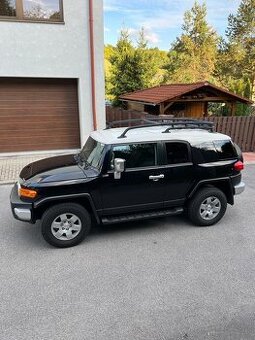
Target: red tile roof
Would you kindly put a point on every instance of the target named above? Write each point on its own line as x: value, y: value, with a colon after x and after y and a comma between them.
x: 160, y: 94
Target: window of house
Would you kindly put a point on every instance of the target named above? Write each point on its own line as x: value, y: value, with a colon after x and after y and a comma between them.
x: 136, y: 155
x: 177, y: 153
x: 8, y: 8
x: 34, y: 10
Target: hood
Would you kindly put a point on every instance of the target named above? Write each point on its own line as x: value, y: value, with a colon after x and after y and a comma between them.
x: 55, y: 169
x: 47, y: 164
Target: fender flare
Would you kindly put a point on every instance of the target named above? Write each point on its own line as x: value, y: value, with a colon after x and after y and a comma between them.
x: 40, y: 202
x: 216, y: 182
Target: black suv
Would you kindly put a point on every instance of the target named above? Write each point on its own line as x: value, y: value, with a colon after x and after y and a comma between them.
x: 127, y: 174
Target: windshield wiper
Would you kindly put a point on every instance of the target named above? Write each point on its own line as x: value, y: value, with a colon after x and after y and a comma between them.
x: 81, y: 160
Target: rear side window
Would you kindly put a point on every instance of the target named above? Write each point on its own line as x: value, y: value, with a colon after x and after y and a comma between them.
x: 136, y: 155
x: 177, y: 153
x: 214, y: 151
x: 225, y: 150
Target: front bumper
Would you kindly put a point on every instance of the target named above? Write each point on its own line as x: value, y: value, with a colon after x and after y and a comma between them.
x: 239, y: 188
x: 21, y: 210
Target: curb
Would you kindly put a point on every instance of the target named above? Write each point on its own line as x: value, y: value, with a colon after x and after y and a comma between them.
x: 7, y: 182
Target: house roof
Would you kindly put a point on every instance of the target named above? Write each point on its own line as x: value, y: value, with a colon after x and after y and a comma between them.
x: 160, y: 94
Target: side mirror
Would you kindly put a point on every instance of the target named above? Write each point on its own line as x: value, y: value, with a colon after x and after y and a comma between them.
x: 119, y: 167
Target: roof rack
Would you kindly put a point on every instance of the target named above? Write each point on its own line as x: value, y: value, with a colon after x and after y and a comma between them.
x: 172, y: 123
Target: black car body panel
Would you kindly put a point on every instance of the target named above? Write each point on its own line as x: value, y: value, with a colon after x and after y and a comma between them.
x: 91, y: 180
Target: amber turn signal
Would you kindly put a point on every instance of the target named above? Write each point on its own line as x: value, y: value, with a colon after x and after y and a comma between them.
x: 28, y: 193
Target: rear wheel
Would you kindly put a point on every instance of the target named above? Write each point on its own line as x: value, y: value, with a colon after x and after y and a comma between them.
x: 65, y: 225
x: 207, y: 207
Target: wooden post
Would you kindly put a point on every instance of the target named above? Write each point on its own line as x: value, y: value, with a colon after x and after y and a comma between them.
x: 162, y: 109
x: 206, y: 109
x: 233, y: 108
x: 19, y: 10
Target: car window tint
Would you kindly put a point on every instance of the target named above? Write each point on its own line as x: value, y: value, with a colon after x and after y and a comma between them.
x: 205, y: 153
x: 136, y: 155
x: 177, y: 153
x: 225, y: 149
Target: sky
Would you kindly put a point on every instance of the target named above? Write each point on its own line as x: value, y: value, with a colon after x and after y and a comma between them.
x: 162, y: 19
x: 49, y: 5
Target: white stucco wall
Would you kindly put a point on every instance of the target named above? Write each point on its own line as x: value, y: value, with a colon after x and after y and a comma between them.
x: 59, y: 51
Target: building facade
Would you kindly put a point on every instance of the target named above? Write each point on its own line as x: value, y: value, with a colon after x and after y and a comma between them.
x: 51, y: 73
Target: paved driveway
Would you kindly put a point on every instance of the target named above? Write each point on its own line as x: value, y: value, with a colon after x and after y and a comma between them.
x: 152, y: 280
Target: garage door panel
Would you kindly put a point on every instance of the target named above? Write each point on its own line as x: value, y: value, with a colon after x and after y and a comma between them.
x: 39, y: 147
x: 21, y: 112
x: 20, y: 132
x: 37, y: 85
x: 12, y: 124
x: 32, y: 120
x: 38, y: 104
x: 48, y: 96
x: 38, y: 114
x: 26, y: 139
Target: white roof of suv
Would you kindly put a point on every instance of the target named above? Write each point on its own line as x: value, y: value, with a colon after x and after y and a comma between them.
x: 155, y: 134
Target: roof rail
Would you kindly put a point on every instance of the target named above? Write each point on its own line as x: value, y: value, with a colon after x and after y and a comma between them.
x: 172, y: 123
x: 125, y: 121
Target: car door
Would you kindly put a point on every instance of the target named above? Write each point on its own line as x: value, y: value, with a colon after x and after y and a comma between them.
x: 179, y: 172
x: 140, y: 186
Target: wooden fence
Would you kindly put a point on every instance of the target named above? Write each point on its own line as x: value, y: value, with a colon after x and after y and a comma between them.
x: 241, y: 129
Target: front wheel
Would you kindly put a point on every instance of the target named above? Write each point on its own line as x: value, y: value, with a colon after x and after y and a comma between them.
x: 65, y: 225
x: 207, y: 207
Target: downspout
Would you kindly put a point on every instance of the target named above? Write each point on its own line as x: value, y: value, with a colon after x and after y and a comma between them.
x: 92, y: 63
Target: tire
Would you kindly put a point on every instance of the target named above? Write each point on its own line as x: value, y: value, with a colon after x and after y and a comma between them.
x: 65, y: 225
x: 207, y: 207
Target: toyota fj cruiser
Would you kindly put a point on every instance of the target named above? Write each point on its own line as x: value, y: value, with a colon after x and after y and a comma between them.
x: 126, y: 174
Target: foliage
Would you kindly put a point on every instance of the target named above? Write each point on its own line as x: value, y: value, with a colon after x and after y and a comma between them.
x: 129, y: 68
x: 236, y: 64
x: 6, y: 8
x: 108, y: 54
x: 198, y: 54
x: 193, y: 55
x: 126, y: 74
x: 55, y: 16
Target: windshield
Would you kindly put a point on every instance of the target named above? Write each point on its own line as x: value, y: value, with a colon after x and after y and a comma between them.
x: 92, y: 153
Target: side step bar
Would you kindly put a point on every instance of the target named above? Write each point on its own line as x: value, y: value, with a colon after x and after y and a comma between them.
x: 141, y: 216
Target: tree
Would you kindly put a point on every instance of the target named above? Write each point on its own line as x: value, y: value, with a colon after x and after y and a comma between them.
x: 152, y: 62
x: 109, y: 51
x: 126, y: 67
x: 241, y: 36
x: 55, y: 16
x: 35, y: 12
x: 129, y: 67
x: 193, y: 55
x: 6, y: 8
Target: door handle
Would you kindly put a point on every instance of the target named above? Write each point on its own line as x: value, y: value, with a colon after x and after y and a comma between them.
x: 156, y: 178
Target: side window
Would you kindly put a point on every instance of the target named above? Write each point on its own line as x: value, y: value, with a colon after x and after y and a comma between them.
x: 214, y: 151
x: 205, y: 153
x: 225, y: 149
x: 177, y: 153
x: 136, y: 155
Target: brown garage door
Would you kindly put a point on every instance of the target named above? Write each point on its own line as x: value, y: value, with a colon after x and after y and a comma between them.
x: 38, y: 114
